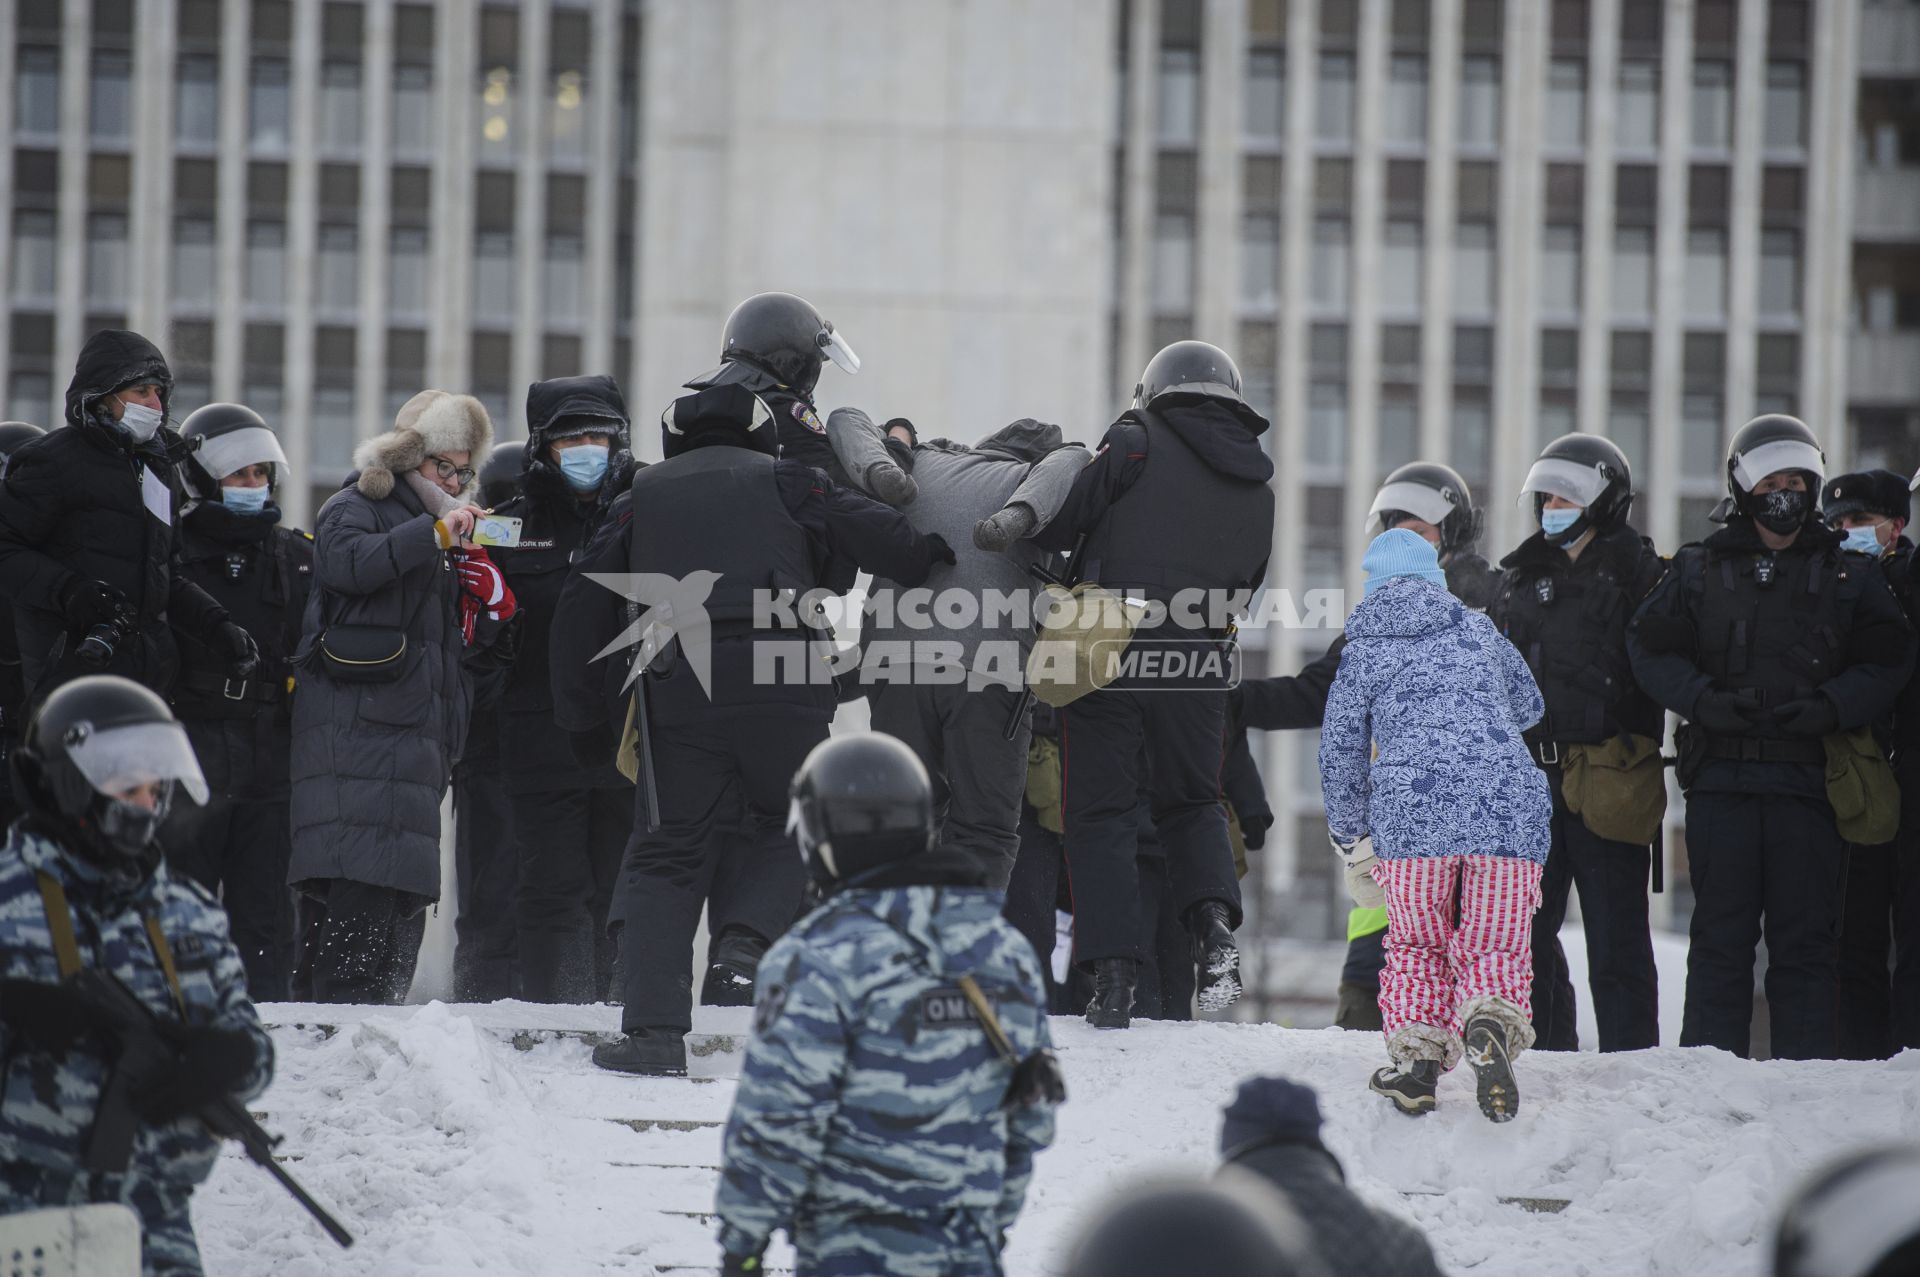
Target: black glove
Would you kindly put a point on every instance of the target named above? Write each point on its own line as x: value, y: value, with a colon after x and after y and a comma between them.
x: 85, y: 604
x: 208, y: 1064
x: 1253, y: 831
x: 243, y: 655
x: 1726, y: 713
x: 47, y: 1015
x: 1812, y: 717
x: 740, y: 1266
x: 938, y: 549
x: 593, y: 747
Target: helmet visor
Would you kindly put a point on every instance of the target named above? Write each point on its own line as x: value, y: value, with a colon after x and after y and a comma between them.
x: 1429, y: 505
x: 1569, y: 480
x: 835, y: 347
x: 117, y: 759
x: 1749, y: 468
x: 222, y: 455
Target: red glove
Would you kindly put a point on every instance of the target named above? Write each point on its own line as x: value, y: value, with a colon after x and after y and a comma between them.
x: 483, y: 590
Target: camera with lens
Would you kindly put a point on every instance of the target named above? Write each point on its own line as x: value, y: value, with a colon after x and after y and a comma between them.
x: 103, y: 639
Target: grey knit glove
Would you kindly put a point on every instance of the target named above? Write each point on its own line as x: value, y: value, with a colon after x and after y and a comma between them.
x: 1003, y: 529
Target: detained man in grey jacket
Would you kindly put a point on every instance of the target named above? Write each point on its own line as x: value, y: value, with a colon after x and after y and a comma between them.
x: 945, y: 664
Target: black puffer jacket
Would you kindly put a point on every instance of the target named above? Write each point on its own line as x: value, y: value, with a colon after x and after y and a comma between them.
x: 89, y: 504
x: 556, y: 524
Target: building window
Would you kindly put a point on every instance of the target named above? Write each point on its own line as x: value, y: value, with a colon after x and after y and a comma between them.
x: 1178, y: 100
x: 338, y: 284
x: 496, y: 115
x: 1700, y: 454
x: 36, y: 263
x: 29, y: 396
x: 1330, y: 241
x: 1566, y: 102
x: 493, y: 278
x: 1479, y: 101
x: 1399, y: 430
x: 1266, y: 104
x: 1636, y: 119
x: 266, y: 275
x: 407, y: 272
x: 36, y: 92
x: 1712, y: 105
x: 1474, y: 277
x: 340, y: 106
x: 412, y: 110
x: 106, y: 260
x: 564, y: 284
x: 1560, y: 270
x: 1327, y: 424
x: 1706, y: 272
x: 1786, y: 110
x: 1400, y: 268
x: 1333, y: 98
x: 1628, y: 427
x: 1632, y: 274
x: 194, y: 268
x: 1407, y: 99
x: 1173, y: 264
x: 109, y: 99
x: 567, y: 117
x: 267, y: 103
x: 1779, y: 272
x: 333, y: 426
x: 196, y: 111
x: 1260, y: 263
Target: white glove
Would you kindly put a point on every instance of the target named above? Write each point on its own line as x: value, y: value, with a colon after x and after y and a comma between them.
x: 1357, y: 855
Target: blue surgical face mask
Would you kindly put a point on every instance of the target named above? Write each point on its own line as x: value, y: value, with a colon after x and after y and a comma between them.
x: 1862, y: 541
x: 584, y: 466
x: 246, y: 500
x: 1556, y: 522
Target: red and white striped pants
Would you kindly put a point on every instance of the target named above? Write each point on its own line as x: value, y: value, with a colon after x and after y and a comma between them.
x: 1435, y: 964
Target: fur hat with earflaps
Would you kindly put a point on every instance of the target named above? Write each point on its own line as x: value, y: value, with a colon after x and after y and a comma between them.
x: 430, y: 423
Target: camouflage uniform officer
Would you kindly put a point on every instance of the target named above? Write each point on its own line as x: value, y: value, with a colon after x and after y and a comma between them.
x: 899, y: 1080
x: 82, y: 885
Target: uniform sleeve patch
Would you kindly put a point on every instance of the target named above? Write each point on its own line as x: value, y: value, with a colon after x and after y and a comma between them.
x: 808, y: 418
x: 767, y: 1012
x: 946, y: 1008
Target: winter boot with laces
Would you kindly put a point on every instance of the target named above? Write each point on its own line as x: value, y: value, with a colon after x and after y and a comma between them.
x: 1113, y: 982
x: 1215, y: 954
x: 735, y: 961
x: 649, y: 1052
x: 1410, y: 1086
x: 1488, y: 1054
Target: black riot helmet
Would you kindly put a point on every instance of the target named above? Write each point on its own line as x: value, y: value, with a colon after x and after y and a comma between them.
x: 1860, y: 1217
x: 783, y: 336
x: 1588, y: 471
x: 227, y: 437
x: 1431, y: 493
x: 1767, y: 445
x: 860, y: 803
x: 1236, y: 1225
x: 15, y: 435
x: 500, y: 473
x: 1189, y: 368
x: 91, y: 741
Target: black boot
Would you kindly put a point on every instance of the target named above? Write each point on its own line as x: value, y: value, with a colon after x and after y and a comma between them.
x: 734, y: 960
x: 1411, y: 1087
x: 652, y: 1052
x: 1112, y: 1005
x: 1215, y: 954
x: 556, y: 966
x: 1487, y: 1054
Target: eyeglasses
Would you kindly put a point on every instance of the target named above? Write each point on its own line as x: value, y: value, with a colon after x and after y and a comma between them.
x: 447, y: 470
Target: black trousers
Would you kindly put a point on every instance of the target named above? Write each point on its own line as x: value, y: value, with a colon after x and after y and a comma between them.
x: 1033, y: 896
x: 1168, y: 976
x: 1906, y: 906
x: 669, y: 873
x: 1865, y: 1002
x: 486, y: 874
x: 1612, y: 881
x: 239, y: 852
x: 569, y: 845
x: 1772, y: 863
x: 978, y: 775
x: 363, y: 942
x: 1102, y: 736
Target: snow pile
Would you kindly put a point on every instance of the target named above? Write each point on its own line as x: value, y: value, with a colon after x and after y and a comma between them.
x: 446, y: 1150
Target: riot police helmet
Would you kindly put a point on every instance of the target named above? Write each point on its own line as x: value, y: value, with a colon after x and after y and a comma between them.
x: 1189, y: 368
x: 1587, y: 470
x: 1236, y: 1223
x: 500, y: 473
x: 1434, y: 494
x: 784, y: 337
x: 860, y: 803
x: 15, y: 435
x: 1855, y: 1218
x: 1769, y: 445
x: 227, y: 438
x: 99, y: 762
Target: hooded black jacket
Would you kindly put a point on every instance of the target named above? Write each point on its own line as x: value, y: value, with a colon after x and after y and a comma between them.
x: 89, y: 504
x: 557, y: 523
x: 803, y: 431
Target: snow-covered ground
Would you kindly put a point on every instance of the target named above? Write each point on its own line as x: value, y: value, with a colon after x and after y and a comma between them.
x: 450, y: 1150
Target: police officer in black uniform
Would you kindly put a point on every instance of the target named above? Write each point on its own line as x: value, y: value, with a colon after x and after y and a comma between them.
x: 733, y: 525
x: 1767, y: 638
x: 774, y: 344
x: 13, y: 692
x: 571, y: 821
x: 233, y: 547
x: 1882, y: 918
x: 1175, y: 505
x: 1567, y: 596
x: 486, y: 869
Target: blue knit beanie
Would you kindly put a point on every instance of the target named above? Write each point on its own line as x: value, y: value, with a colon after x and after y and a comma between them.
x: 1270, y: 1110
x: 1398, y: 552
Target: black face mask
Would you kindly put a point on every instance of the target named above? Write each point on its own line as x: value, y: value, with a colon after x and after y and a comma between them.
x: 1781, y: 511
